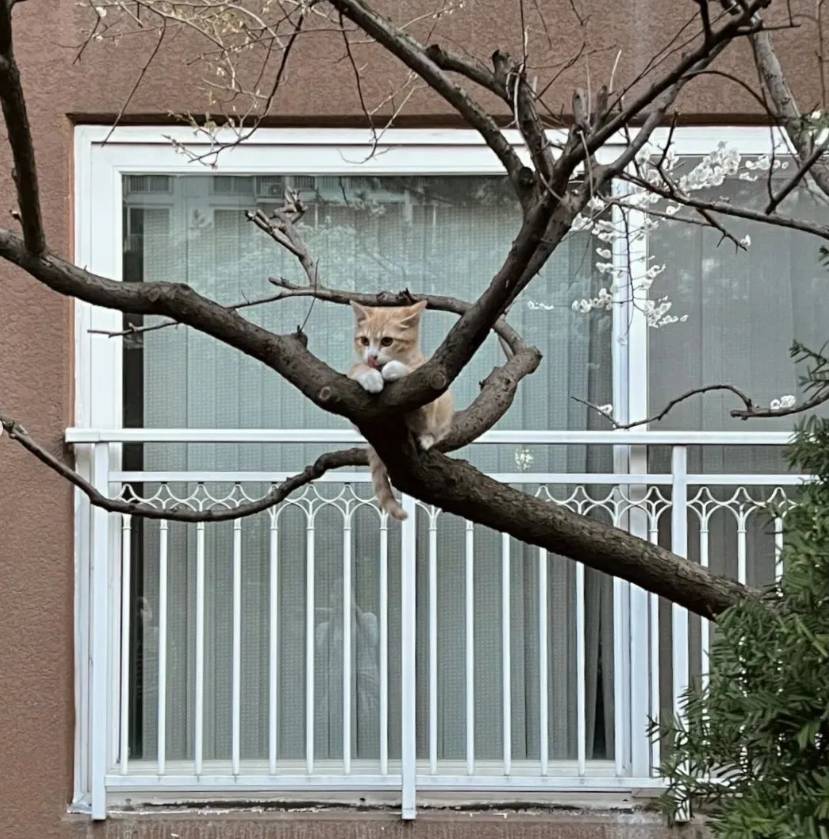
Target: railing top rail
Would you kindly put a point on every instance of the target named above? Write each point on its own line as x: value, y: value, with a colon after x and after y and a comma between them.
x: 349, y: 437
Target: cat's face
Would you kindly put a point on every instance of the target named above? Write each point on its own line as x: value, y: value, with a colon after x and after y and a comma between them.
x: 382, y: 333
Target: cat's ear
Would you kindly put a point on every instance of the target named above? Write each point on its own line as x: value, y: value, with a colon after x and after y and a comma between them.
x: 360, y: 312
x: 411, y: 315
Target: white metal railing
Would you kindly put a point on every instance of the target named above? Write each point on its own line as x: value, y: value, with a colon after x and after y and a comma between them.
x: 677, y: 507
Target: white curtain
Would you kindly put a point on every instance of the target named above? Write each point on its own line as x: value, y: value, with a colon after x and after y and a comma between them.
x: 445, y: 235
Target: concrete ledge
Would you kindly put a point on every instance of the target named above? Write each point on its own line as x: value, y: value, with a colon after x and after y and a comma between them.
x: 335, y: 823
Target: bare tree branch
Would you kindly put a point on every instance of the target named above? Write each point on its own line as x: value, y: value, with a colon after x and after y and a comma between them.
x: 415, y: 56
x: 277, y: 493
x: 437, y: 302
x: 668, y: 407
x: 281, y: 227
x: 727, y: 209
x: 807, y: 166
x: 690, y: 63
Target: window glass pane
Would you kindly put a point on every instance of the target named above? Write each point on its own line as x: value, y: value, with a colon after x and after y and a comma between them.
x: 743, y: 308
x: 444, y: 235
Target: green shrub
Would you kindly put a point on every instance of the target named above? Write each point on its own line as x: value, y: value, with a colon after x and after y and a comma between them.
x: 754, y: 747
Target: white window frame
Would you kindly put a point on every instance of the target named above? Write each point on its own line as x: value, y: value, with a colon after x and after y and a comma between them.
x: 103, y: 157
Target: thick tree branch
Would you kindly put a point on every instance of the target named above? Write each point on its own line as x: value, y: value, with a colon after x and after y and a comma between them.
x: 777, y: 87
x: 165, y: 324
x: 497, y: 394
x: 497, y: 390
x: 20, y: 138
x: 457, y: 487
x: 453, y: 62
x: 286, y: 354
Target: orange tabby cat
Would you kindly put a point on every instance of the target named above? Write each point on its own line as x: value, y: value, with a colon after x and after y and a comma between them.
x: 387, y: 341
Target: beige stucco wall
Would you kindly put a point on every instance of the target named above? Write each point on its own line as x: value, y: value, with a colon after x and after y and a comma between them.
x: 36, y: 331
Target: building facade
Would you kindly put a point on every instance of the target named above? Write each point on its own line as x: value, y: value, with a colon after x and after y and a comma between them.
x: 169, y: 680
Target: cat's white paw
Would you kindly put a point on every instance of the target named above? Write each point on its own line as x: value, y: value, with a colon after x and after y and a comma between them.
x: 371, y: 380
x: 426, y: 441
x: 393, y: 370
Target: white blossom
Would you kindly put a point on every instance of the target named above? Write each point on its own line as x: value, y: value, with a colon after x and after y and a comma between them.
x: 596, y: 204
x: 523, y: 458
x: 787, y: 401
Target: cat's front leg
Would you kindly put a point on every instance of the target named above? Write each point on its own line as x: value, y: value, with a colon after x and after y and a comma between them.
x: 393, y: 370
x: 368, y: 378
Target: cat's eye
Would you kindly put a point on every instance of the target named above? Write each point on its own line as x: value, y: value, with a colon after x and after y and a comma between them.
x: 363, y: 340
x: 387, y: 342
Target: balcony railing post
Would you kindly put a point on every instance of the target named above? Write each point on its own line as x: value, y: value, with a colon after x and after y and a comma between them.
x: 679, y: 615
x: 99, y: 648
x: 408, y: 630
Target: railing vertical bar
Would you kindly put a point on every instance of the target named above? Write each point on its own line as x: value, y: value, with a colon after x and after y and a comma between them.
x: 124, y: 720
x: 704, y: 625
x: 433, y: 643
x: 99, y: 604
x: 543, y: 690
x: 778, y: 548
x: 384, y: 644
x: 581, y: 673
x: 506, y: 662
x: 273, y: 646
x: 198, y: 717
x: 621, y: 697
x: 470, y: 648
x: 653, y: 621
x: 161, y: 755
x: 640, y: 745
x: 309, y: 644
x: 236, y: 699
x: 679, y: 615
x: 741, y: 550
x: 636, y: 682
x: 408, y: 663
x: 346, y: 617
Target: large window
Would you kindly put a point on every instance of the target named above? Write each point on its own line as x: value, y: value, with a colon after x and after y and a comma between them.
x: 270, y: 649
